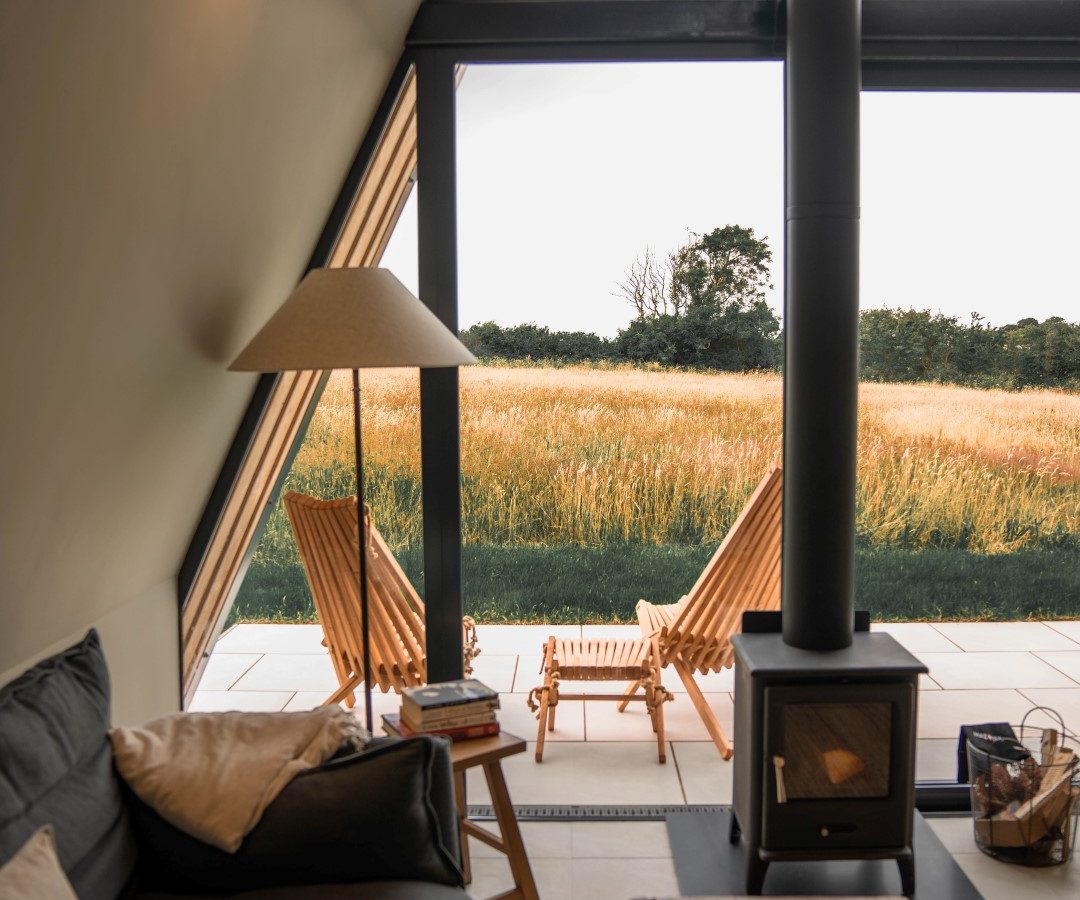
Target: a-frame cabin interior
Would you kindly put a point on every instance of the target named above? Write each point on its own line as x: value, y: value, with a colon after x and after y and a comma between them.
x: 169, y: 171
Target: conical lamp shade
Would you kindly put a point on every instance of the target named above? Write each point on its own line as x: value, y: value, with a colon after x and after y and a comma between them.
x: 354, y: 318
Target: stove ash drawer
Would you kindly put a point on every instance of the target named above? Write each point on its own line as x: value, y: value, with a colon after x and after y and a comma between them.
x: 818, y: 825
x: 838, y: 767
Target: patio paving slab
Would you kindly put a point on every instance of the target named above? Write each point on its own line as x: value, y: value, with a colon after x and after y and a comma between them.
x: 935, y: 758
x: 978, y: 637
x: 1071, y: 629
x: 516, y: 717
x: 942, y: 712
x: 704, y: 776
x: 917, y: 637
x: 543, y: 840
x: 604, y: 722
x: 491, y: 878
x: 624, y: 878
x: 585, y: 773
x: 223, y: 670
x: 245, y: 701
x: 271, y: 639
x: 1065, y: 701
x: 987, y: 671
x: 496, y: 670
x: 620, y: 840
x: 290, y: 672
x: 1067, y: 662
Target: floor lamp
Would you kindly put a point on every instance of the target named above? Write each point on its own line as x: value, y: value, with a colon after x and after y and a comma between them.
x: 355, y: 318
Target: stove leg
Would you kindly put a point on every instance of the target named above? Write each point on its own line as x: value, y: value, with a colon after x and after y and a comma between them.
x: 906, y: 865
x: 734, y: 831
x: 755, y: 872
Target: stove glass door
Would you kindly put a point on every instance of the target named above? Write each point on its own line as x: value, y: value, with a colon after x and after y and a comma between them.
x: 834, y: 750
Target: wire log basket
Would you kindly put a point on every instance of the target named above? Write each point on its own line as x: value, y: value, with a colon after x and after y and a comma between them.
x: 1025, y: 811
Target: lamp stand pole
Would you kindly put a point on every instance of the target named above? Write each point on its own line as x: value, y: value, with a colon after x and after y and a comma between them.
x: 361, y: 545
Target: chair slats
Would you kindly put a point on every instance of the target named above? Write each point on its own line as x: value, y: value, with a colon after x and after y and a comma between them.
x: 326, y: 536
x: 603, y: 660
x: 694, y: 634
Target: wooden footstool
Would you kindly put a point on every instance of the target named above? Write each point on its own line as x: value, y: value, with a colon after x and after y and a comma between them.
x: 634, y: 661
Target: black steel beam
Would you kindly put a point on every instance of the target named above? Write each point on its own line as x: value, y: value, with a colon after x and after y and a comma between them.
x: 667, y: 51
x: 440, y: 442
x: 821, y: 322
x: 1009, y: 45
x: 942, y: 797
x: 480, y: 22
x: 949, y: 29
x: 971, y: 75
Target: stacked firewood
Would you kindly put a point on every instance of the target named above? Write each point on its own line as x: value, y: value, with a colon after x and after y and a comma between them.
x: 1020, y: 802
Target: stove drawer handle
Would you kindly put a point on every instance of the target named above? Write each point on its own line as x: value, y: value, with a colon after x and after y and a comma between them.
x: 781, y: 790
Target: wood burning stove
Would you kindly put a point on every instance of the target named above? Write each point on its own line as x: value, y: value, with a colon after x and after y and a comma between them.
x: 824, y: 752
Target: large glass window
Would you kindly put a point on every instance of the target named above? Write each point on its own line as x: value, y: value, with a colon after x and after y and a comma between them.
x: 969, y: 450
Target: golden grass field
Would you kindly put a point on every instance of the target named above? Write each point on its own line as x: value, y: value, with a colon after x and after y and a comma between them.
x: 594, y: 456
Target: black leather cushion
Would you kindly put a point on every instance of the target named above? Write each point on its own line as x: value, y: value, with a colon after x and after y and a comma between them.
x: 384, y: 814
x: 56, y: 767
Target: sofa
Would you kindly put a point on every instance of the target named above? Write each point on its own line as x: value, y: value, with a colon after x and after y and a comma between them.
x: 380, y: 823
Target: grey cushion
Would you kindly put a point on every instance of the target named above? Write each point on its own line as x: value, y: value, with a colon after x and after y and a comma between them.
x: 56, y: 767
x: 373, y: 890
x: 384, y: 814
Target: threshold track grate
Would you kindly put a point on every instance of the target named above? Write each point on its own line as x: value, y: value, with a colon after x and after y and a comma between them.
x: 572, y: 812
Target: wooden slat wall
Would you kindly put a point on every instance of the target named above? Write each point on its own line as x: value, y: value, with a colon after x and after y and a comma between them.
x: 379, y: 201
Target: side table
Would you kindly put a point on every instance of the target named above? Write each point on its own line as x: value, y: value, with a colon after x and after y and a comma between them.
x: 489, y: 752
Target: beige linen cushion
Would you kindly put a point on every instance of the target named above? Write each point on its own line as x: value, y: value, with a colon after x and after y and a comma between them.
x: 34, y: 872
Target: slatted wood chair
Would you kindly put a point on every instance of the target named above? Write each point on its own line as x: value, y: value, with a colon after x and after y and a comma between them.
x: 694, y: 635
x: 326, y: 537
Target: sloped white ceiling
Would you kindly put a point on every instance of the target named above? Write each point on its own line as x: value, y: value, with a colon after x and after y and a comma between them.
x: 165, y: 170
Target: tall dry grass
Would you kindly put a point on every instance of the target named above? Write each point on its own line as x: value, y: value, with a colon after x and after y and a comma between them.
x: 597, y: 456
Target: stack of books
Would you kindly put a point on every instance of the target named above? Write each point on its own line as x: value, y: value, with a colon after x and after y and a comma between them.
x: 456, y: 709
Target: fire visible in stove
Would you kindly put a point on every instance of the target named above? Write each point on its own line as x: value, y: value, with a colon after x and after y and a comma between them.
x: 834, y: 750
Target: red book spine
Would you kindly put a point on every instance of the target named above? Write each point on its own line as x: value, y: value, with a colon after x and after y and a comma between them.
x: 456, y: 734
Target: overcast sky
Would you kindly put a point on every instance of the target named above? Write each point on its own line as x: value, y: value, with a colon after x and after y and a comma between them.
x: 567, y: 172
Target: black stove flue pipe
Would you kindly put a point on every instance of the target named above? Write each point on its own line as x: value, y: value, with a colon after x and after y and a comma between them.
x: 821, y: 321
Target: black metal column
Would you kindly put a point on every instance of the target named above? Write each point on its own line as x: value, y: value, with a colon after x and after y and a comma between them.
x: 821, y: 321
x: 440, y: 443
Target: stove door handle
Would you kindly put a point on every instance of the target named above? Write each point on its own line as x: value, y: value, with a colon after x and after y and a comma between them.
x: 778, y: 768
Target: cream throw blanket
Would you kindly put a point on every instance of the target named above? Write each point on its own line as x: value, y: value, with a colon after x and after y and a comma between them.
x: 213, y: 774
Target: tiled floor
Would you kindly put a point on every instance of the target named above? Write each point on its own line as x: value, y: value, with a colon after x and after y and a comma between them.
x: 978, y: 671
x: 586, y: 860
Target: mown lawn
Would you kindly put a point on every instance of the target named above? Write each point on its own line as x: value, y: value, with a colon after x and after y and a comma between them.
x: 569, y: 584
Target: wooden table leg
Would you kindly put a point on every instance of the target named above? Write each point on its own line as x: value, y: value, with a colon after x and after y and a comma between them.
x: 511, y: 834
x: 459, y: 793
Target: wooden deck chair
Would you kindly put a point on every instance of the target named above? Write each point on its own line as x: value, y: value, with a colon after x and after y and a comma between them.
x: 694, y: 635
x: 326, y: 536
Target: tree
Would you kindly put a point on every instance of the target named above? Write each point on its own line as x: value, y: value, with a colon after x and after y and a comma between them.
x: 729, y: 266
x: 645, y: 286
x: 714, y: 313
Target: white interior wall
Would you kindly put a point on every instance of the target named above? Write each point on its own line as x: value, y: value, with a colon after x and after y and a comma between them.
x: 165, y: 170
